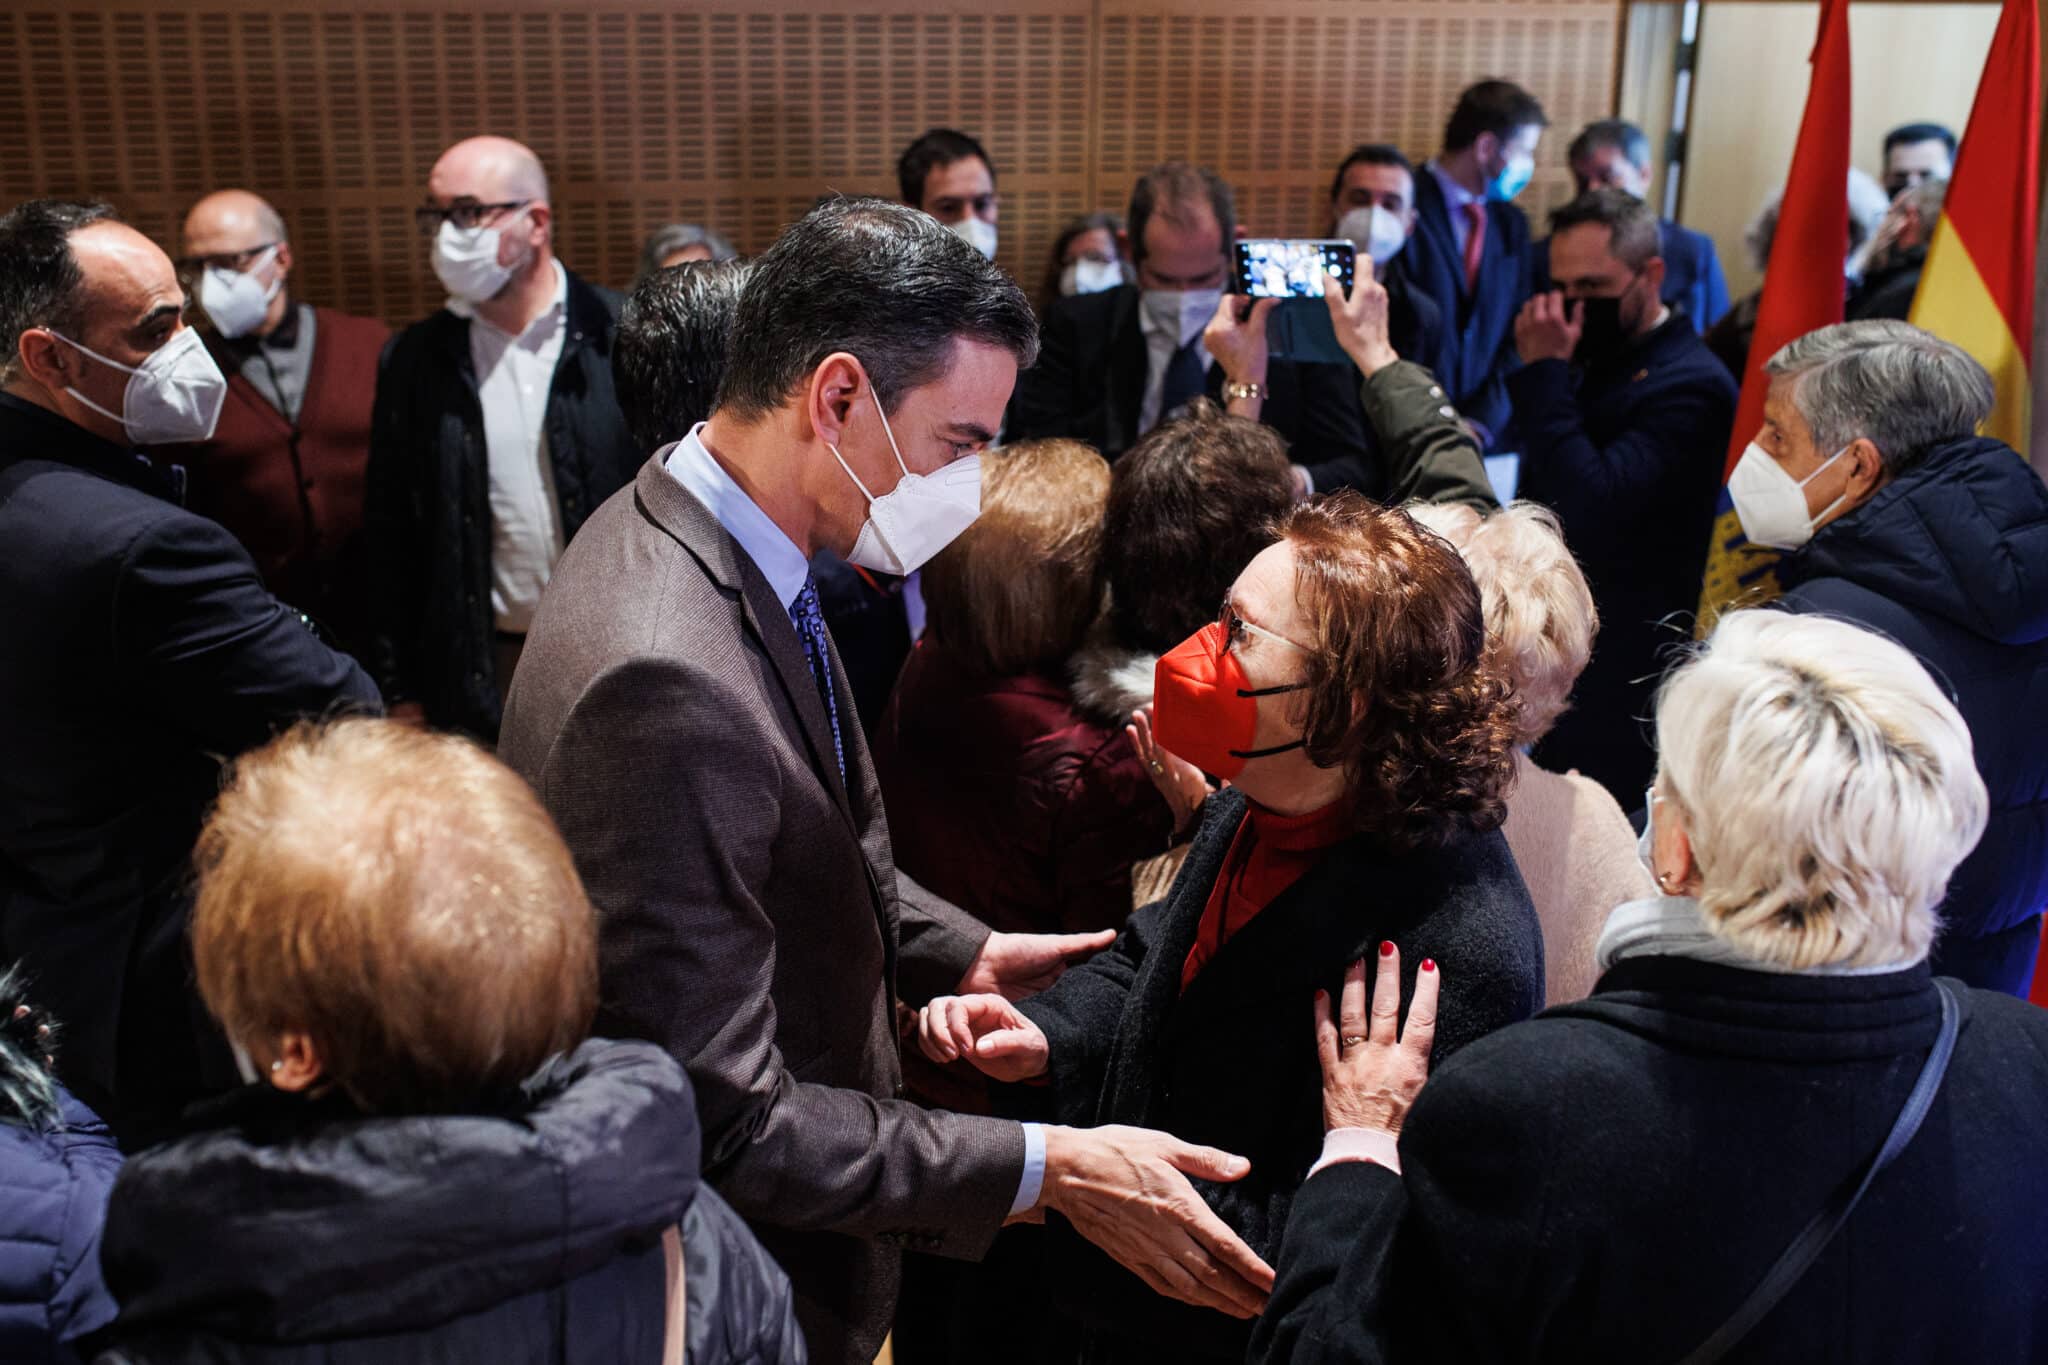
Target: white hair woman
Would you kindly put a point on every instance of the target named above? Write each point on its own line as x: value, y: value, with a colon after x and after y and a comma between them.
x: 1770, y: 1128
x: 1573, y: 844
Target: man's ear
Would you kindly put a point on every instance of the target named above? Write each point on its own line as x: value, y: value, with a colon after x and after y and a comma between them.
x: 541, y: 216
x: 1486, y: 147
x: 836, y: 385
x: 1866, y: 468
x: 45, y: 359
x: 1653, y: 275
x: 284, y: 259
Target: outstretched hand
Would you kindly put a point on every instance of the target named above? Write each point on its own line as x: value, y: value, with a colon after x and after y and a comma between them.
x: 1372, y: 1070
x: 988, y: 1031
x: 1018, y: 965
x: 1178, y: 780
x: 1360, y: 320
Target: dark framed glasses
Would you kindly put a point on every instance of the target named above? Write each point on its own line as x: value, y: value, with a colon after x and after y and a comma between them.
x: 237, y: 261
x: 466, y: 215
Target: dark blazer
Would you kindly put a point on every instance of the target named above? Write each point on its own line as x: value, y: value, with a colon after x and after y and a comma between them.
x: 1481, y: 321
x: 1629, y: 454
x: 295, y: 1231
x: 1608, y: 1181
x: 1232, y: 1063
x: 428, y: 508
x: 1089, y: 384
x: 141, y: 651
x: 1950, y: 559
x: 750, y: 908
x: 1692, y: 273
x: 1888, y: 292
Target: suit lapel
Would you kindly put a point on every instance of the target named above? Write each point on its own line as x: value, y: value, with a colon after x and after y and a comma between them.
x: 672, y: 508
x: 1128, y: 362
x: 1433, y: 224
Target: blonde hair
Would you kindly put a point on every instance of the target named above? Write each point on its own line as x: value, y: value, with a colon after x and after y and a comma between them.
x: 1540, y: 619
x: 1827, y: 785
x: 1018, y: 589
x: 402, y: 898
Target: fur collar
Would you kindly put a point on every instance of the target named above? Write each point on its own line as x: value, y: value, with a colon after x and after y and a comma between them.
x: 1110, y: 680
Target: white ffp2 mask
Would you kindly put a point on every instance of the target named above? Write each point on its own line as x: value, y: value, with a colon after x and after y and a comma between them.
x: 173, y: 396
x: 976, y: 233
x: 466, y: 263
x: 1374, y: 231
x: 235, y: 300
x: 920, y: 516
x: 1771, y: 504
x: 1090, y: 276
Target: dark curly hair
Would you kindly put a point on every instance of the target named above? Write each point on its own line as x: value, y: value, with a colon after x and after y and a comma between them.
x: 1399, y: 695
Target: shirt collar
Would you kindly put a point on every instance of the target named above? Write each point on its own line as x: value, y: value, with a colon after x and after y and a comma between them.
x: 691, y: 464
x: 1455, y: 195
x: 557, y: 305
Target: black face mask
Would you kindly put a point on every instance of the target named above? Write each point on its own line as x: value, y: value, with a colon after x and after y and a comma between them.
x: 1601, y: 334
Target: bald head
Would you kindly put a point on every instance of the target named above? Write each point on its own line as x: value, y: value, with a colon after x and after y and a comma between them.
x: 488, y: 170
x: 230, y: 221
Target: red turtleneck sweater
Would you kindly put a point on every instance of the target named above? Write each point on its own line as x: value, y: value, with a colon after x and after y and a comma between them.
x: 1268, y: 854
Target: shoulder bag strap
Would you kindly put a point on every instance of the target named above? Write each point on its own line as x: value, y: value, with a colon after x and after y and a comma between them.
x: 1813, y: 1239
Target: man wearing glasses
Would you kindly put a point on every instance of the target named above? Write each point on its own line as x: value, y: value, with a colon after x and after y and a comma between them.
x: 495, y: 434
x: 285, y: 468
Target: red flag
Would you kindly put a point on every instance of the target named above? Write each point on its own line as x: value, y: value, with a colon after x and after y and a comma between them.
x: 1804, y: 292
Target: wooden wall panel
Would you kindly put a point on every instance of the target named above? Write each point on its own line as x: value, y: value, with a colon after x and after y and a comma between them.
x: 739, y: 113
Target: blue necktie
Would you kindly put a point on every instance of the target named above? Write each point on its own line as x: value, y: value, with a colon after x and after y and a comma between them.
x: 1186, y: 379
x: 809, y: 620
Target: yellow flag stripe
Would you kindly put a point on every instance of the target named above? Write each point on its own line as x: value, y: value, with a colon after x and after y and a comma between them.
x: 1954, y: 303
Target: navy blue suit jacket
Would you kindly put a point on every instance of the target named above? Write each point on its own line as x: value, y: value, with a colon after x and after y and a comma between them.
x: 1481, y: 321
x: 1692, y: 273
x: 1629, y: 455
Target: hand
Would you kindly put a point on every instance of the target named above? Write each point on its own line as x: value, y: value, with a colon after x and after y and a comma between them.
x: 1370, y: 1075
x: 1016, y: 965
x: 1178, y: 780
x: 1360, y: 321
x: 1544, y: 330
x: 1127, y: 1191
x: 988, y: 1031
x: 1237, y: 343
x: 407, y: 713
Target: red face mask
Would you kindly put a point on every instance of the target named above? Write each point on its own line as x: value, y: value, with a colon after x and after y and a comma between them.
x: 1203, y: 709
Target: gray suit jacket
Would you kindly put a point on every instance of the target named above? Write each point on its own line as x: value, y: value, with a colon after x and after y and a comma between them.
x: 752, y: 920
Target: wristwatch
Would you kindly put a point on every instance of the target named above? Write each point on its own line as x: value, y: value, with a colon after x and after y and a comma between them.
x: 1234, y: 391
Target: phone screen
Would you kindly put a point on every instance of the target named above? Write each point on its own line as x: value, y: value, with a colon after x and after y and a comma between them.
x: 1293, y: 267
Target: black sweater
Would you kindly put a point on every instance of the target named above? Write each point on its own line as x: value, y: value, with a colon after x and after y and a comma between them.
x: 1232, y: 1062
x: 1608, y: 1181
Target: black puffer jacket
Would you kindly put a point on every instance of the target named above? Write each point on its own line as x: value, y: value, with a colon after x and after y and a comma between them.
x: 298, y: 1232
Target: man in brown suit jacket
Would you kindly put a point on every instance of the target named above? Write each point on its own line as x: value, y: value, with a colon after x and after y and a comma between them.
x: 683, y: 714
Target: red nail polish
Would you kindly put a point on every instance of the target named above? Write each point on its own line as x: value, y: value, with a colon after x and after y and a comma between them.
x: 1387, y: 948
x: 1429, y: 964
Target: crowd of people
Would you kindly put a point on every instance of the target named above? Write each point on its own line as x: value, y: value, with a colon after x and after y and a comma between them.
x: 817, y: 796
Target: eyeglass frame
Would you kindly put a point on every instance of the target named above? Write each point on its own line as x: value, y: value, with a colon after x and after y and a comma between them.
x: 429, y: 217
x: 191, y: 267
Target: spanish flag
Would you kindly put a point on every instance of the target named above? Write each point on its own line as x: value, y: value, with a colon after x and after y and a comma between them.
x: 1803, y: 291
x: 1977, y: 289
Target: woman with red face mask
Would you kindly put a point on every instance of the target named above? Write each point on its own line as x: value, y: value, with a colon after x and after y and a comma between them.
x: 1368, y: 749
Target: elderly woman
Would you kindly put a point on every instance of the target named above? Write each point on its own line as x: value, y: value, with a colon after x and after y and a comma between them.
x: 1771, y: 1128
x: 1575, y: 848
x: 1004, y: 796
x: 1343, y: 693
x: 432, y: 1161
x: 674, y: 244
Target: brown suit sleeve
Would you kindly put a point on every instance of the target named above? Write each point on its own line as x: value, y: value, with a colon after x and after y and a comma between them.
x: 939, y: 942
x: 663, y: 782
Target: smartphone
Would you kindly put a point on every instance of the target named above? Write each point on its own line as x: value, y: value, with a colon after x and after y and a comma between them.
x: 1293, y: 267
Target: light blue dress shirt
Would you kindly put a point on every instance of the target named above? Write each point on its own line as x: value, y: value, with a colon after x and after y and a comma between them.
x: 786, y: 568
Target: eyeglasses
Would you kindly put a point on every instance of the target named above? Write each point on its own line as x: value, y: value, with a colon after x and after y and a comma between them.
x: 467, y: 217
x: 237, y: 261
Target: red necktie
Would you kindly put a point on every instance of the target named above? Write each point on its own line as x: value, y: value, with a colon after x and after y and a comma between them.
x: 1475, y: 243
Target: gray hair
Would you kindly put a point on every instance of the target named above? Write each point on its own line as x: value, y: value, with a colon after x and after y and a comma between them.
x: 665, y: 241
x: 1903, y: 390
x: 1868, y: 204
x: 1634, y: 237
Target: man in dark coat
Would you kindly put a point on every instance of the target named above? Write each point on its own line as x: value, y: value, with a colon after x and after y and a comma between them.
x: 495, y: 434
x: 1112, y: 364
x: 1471, y: 251
x: 142, y: 651
x: 1910, y: 523
x: 1624, y: 417
x: 685, y: 717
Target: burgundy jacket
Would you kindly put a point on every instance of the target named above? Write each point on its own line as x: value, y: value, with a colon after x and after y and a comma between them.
x: 295, y: 498
x: 1009, y: 801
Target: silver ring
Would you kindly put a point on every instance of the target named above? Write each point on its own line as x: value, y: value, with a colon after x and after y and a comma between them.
x: 1353, y: 1042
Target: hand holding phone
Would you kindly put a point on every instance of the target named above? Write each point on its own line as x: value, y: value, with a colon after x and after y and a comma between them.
x: 1293, y: 267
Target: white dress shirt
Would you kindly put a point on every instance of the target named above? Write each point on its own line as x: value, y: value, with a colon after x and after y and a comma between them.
x: 692, y: 465
x: 1456, y: 196
x: 513, y: 376
x: 1160, y: 344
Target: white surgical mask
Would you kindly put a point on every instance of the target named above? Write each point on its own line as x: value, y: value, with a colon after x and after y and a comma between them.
x: 1090, y: 276
x: 1184, y: 312
x: 1375, y: 231
x: 1771, y: 504
x: 976, y: 233
x: 235, y: 299
x: 173, y: 396
x: 466, y: 263
x: 917, y: 518
x: 1646, y: 842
